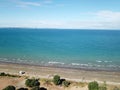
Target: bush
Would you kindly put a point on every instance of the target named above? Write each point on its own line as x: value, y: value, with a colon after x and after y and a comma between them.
x: 32, y: 82
x: 66, y: 83
x: 2, y: 74
x: 10, y: 87
x: 42, y: 88
x: 56, y: 80
x: 61, y: 81
x: 9, y: 75
x: 93, y: 86
x: 22, y: 89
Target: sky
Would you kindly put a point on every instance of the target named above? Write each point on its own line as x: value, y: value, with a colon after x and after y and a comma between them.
x: 73, y: 14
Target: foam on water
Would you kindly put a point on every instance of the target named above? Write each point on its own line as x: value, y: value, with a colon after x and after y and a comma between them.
x: 53, y: 62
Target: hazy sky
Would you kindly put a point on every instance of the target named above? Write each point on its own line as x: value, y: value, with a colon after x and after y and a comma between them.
x: 87, y: 14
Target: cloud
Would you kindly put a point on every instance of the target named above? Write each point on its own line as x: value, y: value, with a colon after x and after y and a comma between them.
x: 108, y: 15
x: 30, y: 3
x: 46, y: 3
x: 20, y: 3
x: 32, y: 24
x: 108, y: 19
x: 100, y: 20
x: 63, y: 24
x: 103, y: 19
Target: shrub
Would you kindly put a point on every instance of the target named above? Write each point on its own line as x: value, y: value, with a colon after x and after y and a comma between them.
x: 22, y: 89
x: 61, y: 81
x: 56, y: 80
x: 42, y: 88
x: 2, y: 74
x: 66, y: 83
x: 93, y: 86
x: 32, y: 82
x: 9, y: 75
x: 10, y: 87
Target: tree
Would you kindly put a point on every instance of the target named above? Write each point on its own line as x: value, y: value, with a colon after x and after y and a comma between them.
x: 32, y: 82
x: 56, y: 79
x: 93, y: 86
x: 10, y: 87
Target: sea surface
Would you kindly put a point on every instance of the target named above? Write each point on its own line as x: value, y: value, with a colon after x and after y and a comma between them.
x: 81, y: 49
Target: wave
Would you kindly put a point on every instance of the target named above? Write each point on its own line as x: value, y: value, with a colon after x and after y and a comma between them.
x: 99, y: 61
x: 3, y: 59
x: 75, y: 64
x: 54, y: 62
x: 78, y: 64
x: 92, y: 65
x: 100, y: 65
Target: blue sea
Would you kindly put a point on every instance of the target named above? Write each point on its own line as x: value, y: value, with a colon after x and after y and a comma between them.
x: 81, y: 49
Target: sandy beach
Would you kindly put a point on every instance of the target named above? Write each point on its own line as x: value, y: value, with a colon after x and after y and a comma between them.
x: 110, y: 77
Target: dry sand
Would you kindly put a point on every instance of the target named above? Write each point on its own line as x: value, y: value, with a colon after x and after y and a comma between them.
x: 111, y: 77
x: 5, y: 81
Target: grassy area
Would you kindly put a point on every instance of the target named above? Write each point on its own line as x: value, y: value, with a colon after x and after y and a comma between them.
x: 9, y: 75
x: 50, y: 83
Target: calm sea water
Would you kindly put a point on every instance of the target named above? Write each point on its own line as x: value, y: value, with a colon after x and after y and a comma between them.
x: 89, y: 49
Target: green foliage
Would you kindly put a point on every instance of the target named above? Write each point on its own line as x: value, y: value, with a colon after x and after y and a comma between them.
x: 22, y: 89
x: 42, y: 88
x: 56, y: 80
x: 32, y: 82
x: 61, y: 81
x: 2, y: 74
x: 66, y: 83
x: 10, y: 87
x: 93, y: 86
x: 9, y: 75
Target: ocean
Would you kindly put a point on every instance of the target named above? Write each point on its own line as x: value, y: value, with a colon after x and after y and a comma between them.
x: 80, y: 49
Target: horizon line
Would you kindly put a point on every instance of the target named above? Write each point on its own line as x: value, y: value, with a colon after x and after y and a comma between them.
x: 59, y: 28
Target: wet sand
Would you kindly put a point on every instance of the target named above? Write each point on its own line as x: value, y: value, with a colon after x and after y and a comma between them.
x: 79, y: 75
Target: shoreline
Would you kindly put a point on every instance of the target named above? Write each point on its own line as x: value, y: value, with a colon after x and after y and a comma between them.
x: 77, y: 75
x: 55, y: 66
